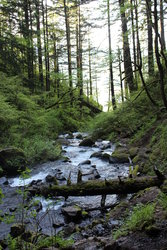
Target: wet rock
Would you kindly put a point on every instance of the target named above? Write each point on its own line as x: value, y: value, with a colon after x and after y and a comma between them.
x: 87, y: 142
x: 79, y: 136
x: 58, y: 224
x: 119, y: 157
x: 72, y: 212
x: 99, y: 230
x: 60, y: 177
x: 69, y: 229
x: 4, y: 181
x: 17, y: 230
x: 35, y: 183
x: 96, y: 174
x: 49, y: 178
x: 97, y: 155
x: 12, y: 160
x: 106, y: 156
x: 66, y: 159
x: 87, y: 162
x: 106, y: 146
x: 70, y: 136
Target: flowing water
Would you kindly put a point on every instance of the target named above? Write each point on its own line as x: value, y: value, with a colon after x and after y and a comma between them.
x: 77, y: 155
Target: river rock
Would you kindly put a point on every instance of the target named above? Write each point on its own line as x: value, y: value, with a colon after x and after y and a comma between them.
x: 99, y: 230
x: 79, y: 136
x: 97, y: 155
x: 119, y: 156
x: 87, y: 142
x: 60, y: 177
x: 72, y: 213
x: 12, y: 160
x: 4, y: 181
x: 35, y: 183
x: 87, y: 162
x: 70, y: 136
x: 17, y: 229
x: 49, y: 178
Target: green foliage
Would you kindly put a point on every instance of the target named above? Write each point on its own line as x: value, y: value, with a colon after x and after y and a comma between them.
x: 141, y: 217
x: 163, y: 201
x: 40, y: 149
x: 54, y: 240
x: 130, y: 119
x: 12, y: 243
x: 26, y: 124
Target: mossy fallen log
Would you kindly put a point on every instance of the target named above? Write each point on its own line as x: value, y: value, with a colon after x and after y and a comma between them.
x: 102, y: 187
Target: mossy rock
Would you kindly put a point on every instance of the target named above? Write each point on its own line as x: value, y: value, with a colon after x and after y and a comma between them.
x: 12, y: 161
x: 119, y: 156
x: 133, y: 151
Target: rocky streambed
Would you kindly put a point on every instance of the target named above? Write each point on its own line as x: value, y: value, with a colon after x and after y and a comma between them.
x: 92, y: 159
x: 81, y: 218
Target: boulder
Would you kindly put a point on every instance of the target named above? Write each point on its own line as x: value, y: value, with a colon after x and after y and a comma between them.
x: 87, y: 142
x: 133, y: 151
x: 97, y: 155
x: 120, y: 155
x: 12, y: 160
x: 72, y: 213
x: 17, y: 230
x: 35, y: 183
x: 79, y: 136
x: 87, y: 162
x: 4, y: 181
x: 49, y: 178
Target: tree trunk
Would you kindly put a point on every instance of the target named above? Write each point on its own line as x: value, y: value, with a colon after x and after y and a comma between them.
x: 26, y: 34
x: 110, y: 57
x: 56, y: 68
x: 90, y: 70
x: 120, y: 74
x: 160, y: 66
x: 126, y: 49
x: 150, y: 38
x: 66, y: 12
x: 47, y: 50
x: 40, y: 63
x: 133, y: 6
x: 162, y: 25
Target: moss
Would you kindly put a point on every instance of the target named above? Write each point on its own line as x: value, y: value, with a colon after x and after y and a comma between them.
x: 133, y: 151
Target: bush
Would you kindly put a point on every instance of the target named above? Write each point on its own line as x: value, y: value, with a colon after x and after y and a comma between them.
x: 141, y: 217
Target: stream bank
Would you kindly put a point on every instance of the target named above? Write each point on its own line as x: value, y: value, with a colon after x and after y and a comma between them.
x: 82, y: 217
x: 60, y: 214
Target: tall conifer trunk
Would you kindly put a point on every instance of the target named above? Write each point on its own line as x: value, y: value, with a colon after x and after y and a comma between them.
x: 110, y: 58
x: 126, y: 49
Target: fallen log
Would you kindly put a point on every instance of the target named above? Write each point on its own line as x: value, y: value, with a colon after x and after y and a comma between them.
x: 102, y: 187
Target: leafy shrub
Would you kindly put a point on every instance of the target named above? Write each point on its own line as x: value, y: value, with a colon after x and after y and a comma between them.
x: 41, y: 149
x: 141, y: 217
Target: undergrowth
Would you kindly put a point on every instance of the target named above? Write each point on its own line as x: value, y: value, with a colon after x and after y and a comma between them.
x: 141, y: 217
x: 26, y: 121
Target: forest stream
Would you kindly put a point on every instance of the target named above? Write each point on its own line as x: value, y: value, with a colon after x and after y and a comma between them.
x: 76, y: 157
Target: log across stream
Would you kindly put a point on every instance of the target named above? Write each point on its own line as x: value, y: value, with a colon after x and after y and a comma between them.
x: 101, y: 187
